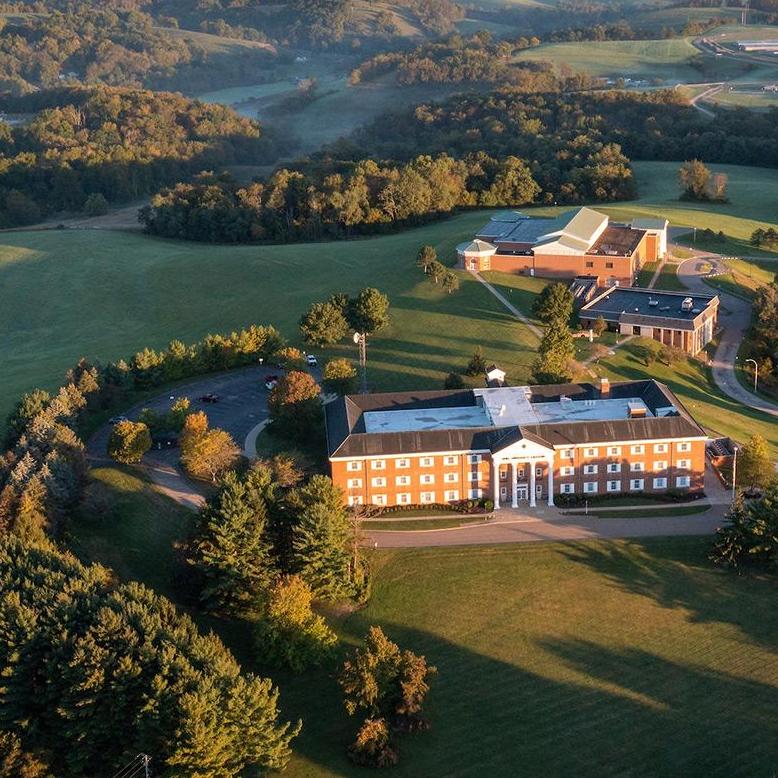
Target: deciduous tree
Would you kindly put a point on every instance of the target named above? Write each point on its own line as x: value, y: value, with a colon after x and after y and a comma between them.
x: 340, y: 376
x: 129, y: 441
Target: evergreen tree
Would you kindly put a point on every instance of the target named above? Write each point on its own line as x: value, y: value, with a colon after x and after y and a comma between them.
x: 555, y: 355
x: 231, y: 549
x: 426, y: 256
x: 555, y: 303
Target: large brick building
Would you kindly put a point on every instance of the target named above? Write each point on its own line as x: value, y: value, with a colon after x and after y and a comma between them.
x: 678, y: 319
x: 582, y: 242
x: 513, y: 444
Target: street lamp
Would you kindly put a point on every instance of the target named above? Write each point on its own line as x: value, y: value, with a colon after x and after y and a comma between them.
x: 756, y: 372
x: 360, y: 338
x: 734, y: 472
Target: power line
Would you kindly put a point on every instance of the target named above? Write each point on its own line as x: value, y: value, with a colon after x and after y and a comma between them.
x: 137, y: 766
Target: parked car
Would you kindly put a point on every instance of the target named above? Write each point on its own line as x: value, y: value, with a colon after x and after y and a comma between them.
x: 209, y: 398
x: 271, y: 381
x: 117, y: 419
x: 311, y: 360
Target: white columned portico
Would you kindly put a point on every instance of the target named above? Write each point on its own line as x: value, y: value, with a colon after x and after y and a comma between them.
x: 514, y: 485
x: 532, y: 484
x: 496, y: 482
x: 550, y: 461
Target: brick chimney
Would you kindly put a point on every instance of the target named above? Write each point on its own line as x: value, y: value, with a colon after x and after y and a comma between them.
x: 605, y: 388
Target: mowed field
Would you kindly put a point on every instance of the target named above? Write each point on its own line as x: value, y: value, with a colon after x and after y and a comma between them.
x: 586, y: 659
x: 105, y: 294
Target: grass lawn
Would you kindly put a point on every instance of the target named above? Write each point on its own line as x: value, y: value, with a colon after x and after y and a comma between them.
x: 646, y: 273
x: 659, y: 512
x: 690, y: 380
x: 418, y: 525
x: 630, y: 657
x: 668, y: 279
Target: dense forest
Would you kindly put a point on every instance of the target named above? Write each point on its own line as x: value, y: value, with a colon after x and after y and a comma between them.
x: 654, y: 125
x: 111, y: 142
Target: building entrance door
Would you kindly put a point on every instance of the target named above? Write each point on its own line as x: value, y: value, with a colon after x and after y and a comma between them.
x: 522, y: 493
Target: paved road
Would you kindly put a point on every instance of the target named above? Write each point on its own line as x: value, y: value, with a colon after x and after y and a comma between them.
x: 242, y: 407
x: 734, y: 318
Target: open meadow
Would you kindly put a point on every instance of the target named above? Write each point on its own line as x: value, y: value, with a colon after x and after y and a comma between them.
x: 595, y: 658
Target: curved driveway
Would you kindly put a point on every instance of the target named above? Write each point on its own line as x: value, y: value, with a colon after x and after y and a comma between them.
x: 735, y: 319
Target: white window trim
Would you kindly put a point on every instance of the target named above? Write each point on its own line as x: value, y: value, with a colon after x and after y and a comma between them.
x: 402, y: 480
x: 404, y: 498
x: 452, y: 495
x: 451, y: 478
x: 378, y: 464
x: 637, y: 449
x: 427, y: 497
x: 590, y: 487
x: 379, y: 480
x: 427, y: 478
x: 614, y: 467
x: 641, y: 484
x: 354, y: 483
x: 427, y: 462
x: 683, y: 482
x: 590, y: 469
x: 402, y: 464
x: 662, y: 485
x: 566, y: 488
x: 637, y: 467
x: 354, y: 467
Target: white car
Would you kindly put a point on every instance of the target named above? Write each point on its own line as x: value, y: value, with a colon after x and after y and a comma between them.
x: 311, y: 360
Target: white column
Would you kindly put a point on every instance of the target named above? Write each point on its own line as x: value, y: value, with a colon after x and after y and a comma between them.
x: 532, y: 484
x: 515, y: 486
x: 551, y: 481
x: 496, y: 482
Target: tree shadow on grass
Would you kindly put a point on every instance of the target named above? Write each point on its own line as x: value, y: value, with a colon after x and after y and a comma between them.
x: 676, y: 573
x: 606, y: 711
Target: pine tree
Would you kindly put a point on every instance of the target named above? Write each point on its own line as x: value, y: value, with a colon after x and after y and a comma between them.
x: 232, y: 550
x: 555, y: 355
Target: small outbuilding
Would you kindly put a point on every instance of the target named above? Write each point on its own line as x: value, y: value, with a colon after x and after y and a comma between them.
x: 494, y: 376
x: 656, y: 235
x: 476, y: 255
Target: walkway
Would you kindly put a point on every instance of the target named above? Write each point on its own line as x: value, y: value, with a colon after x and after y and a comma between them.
x: 735, y: 319
x: 509, y: 305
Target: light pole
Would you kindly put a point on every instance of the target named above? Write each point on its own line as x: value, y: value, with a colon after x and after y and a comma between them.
x: 756, y: 372
x: 360, y: 338
x: 734, y: 473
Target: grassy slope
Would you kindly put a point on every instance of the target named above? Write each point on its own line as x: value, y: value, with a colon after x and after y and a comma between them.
x: 103, y: 294
x: 666, y: 59
x: 614, y: 652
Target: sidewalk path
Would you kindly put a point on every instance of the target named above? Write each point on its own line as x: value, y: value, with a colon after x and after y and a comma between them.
x: 734, y: 321
x: 510, y: 306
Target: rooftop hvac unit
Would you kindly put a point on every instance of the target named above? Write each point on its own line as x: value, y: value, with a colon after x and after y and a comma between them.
x: 637, y: 310
x: 687, y: 304
x: 696, y: 310
x: 653, y: 303
x: 503, y: 408
x: 665, y: 308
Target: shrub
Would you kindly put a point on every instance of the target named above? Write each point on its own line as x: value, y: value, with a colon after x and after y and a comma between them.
x: 372, y: 748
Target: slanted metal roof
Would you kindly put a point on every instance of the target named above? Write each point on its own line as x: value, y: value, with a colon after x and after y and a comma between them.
x: 476, y: 247
x: 648, y: 223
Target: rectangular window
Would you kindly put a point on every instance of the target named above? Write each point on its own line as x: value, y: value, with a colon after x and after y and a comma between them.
x: 566, y: 488
x: 639, y: 449
x: 684, y: 446
x: 352, y: 500
x: 614, y: 451
x: 614, y: 467
x: 404, y: 499
x: 474, y: 475
x: 590, y: 469
x: 475, y: 494
x: 590, y: 264
x: 378, y: 481
x: 450, y: 460
x: 636, y: 467
x: 568, y: 471
x: 520, y: 472
x: 428, y: 479
x: 636, y: 484
x: 590, y: 452
x: 660, y: 483
x: 568, y: 453
x: 538, y: 471
x: 590, y: 487
x: 609, y: 265
x: 379, y: 499
x: 614, y: 486
x: 354, y: 465
x: 684, y: 464
x: 683, y: 481
x: 354, y: 483
x: 427, y: 461
x: 474, y: 459
x: 378, y: 464
x: 452, y: 495
x: 660, y: 465
x: 451, y: 478
x: 660, y: 448
x: 503, y: 475
x: 428, y: 496
x: 402, y: 480
x: 402, y: 464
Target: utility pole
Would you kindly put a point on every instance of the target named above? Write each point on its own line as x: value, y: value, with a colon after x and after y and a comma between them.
x: 146, y: 759
x: 360, y: 338
x: 734, y: 473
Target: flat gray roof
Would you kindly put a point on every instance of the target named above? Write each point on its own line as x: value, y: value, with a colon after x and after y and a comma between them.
x: 646, y: 302
x: 426, y: 419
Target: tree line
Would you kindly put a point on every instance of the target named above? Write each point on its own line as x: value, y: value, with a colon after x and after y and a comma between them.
x: 113, y: 142
x: 338, y: 200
